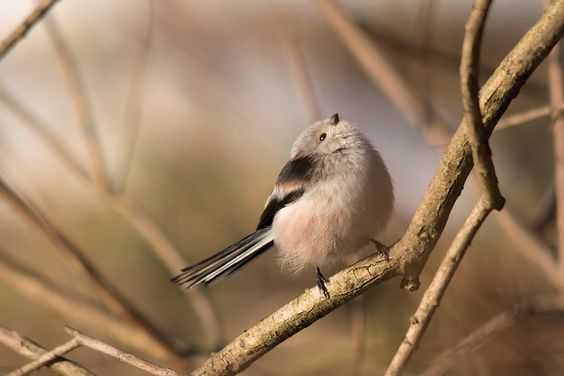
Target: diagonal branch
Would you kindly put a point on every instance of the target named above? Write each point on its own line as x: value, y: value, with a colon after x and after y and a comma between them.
x: 82, y: 104
x: 120, y: 355
x: 380, y: 70
x: 79, y: 339
x: 71, y: 251
x: 21, y: 30
x: 133, y: 114
x: 30, y: 349
x: 477, y: 136
x: 428, y: 221
x: 434, y: 293
x: 46, y: 358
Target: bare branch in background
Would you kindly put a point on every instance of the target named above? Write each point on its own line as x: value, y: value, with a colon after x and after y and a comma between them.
x: 380, y: 70
x: 556, y: 91
x: 434, y: 293
x: 428, y: 221
x: 21, y: 30
x: 76, y: 310
x: 531, y: 247
x: 523, y: 117
x: 35, y: 124
x: 71, y: 251
x: 30, y: 349
x: 80, y: 339
x: 295, y: 60
x: 133, y: 106
x: 487, y: 332
x: 469, y: 68
x: 81, y: 102
x: 160, y: 244
x: 145, y: 227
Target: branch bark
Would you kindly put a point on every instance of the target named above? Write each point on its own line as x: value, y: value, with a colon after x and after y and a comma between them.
x: 22, y: 29
x: 410, y: 253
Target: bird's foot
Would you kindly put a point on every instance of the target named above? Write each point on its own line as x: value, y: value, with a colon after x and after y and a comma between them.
x: 321, y: 283
x: 382, y: 249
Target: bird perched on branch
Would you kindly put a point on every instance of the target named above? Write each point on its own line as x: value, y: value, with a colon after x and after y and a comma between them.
x: 332, y: 198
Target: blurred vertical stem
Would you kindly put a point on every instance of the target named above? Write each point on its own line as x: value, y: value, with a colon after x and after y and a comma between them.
x: 556, y: 99
x: 81, y: 102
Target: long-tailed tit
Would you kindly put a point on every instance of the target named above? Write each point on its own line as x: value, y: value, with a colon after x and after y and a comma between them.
x: 331, y: 199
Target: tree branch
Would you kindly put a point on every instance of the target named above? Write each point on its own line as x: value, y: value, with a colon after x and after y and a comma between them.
x: 477, y: 137
x: 426, y: 226
x: 46, y: 358
x: 21, y: 30
x: 30, y: 349
x: 434, y: 293
x: 80, y: 339
x: 120, y: 355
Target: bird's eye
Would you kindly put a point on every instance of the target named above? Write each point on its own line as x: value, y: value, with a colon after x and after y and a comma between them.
x: 322, y: 136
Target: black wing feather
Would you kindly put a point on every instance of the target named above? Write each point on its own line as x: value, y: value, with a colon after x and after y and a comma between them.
x: 276, y: 204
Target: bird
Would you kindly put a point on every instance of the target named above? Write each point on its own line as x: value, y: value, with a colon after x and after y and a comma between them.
x: 331, y: 199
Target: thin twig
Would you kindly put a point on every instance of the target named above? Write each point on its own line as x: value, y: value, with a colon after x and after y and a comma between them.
x: 72, y: 252
x: 72, y: 308
x: 434, y: 293
x: 120, y: 355
x: 30, y: 349
x: 469, y: 68
x: 21, y: 30
x: 380, y: 70
x: 487, y: 332
x: 82, y: 104
x: 133, y: 107
x: 556, y: 91
x: 295, y: 60
x: 46, y: 358
x: 427, y: 223
x: 523, y: 117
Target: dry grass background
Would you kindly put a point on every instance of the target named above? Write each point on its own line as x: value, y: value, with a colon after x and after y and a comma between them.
x: 217, y: 109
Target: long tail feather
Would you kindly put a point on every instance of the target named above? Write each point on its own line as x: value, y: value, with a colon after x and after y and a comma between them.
x: 224, y: 263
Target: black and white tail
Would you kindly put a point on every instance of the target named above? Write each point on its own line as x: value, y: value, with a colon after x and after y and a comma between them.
x: 224, y: 263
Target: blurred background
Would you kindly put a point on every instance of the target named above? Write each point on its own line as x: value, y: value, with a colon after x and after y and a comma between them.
x: 195, y: 107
